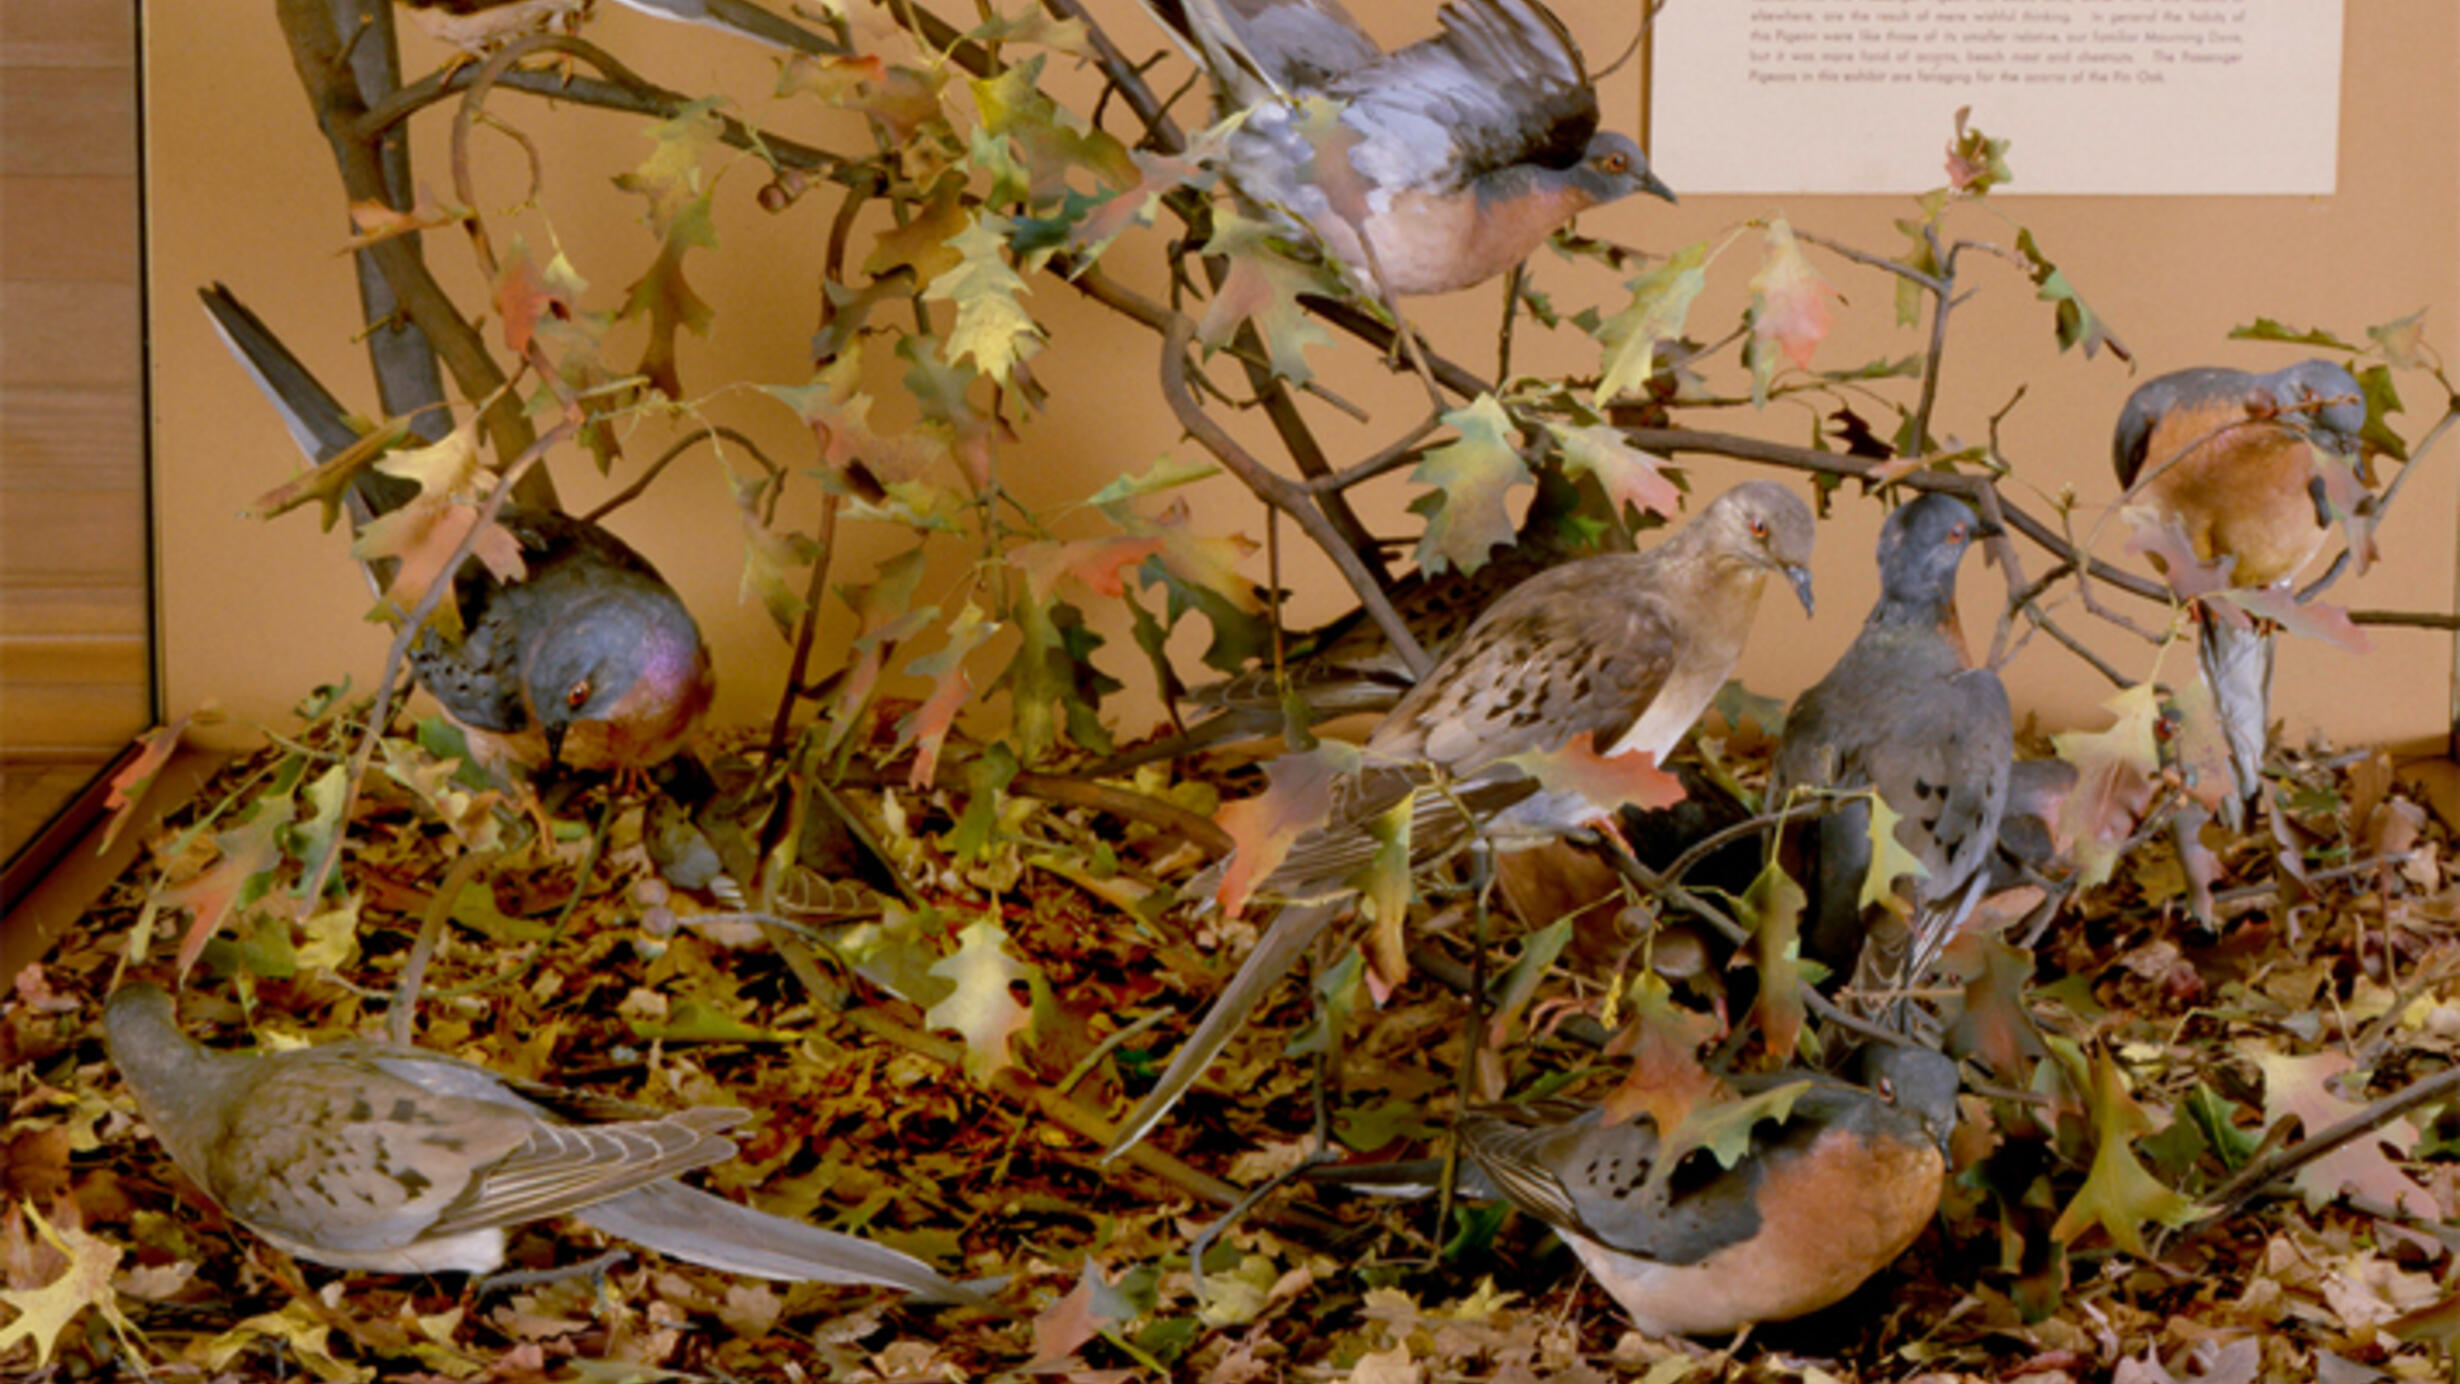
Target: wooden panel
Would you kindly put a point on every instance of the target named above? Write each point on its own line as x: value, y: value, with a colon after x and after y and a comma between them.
x: 69, y: 228
x: 96, y: 433
x: 48, y: 612
x: 68, y: 120
x: 70, y: 660
x: 102, y: 716
x: 68, y: 33
x: 71, y: 539
x: 68, y: 333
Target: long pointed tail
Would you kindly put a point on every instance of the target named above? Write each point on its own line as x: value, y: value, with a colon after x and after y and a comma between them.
x: 2237, y: 665
x: 316, y: 419
x: 1276, y: 952
x: 692, y: 1225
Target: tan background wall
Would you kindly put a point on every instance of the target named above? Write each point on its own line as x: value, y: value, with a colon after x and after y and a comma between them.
x: 243, y: 190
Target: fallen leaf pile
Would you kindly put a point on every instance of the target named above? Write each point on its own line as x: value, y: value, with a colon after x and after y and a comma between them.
x: 935, y: 1072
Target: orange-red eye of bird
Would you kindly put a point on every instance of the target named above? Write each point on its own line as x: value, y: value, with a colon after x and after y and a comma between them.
x: 578, y: 697
x: 1759, y: 528
x: 1613, y: 163
x: 1956, y: 534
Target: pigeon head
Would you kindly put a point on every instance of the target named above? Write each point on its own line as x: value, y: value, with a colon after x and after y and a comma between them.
x: 1763, y: 525
x: 1920, y: 1082
x: 2309, y: 382
x: 1613, y: 168
x: 618, y: 681
x: 1921, y: 546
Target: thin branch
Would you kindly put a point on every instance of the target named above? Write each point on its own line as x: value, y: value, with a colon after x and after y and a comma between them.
x: 319, y: 54
x: 1282, y: 494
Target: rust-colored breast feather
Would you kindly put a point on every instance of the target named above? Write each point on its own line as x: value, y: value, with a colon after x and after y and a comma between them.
x: 2242, y: 489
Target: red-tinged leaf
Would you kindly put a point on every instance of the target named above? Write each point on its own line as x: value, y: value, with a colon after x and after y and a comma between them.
x: 1666, y: 1080
x: 1202, y: 572
x: 1467, y: 514
x: 1157, y: 176
x: 1994, y: 1023
x: 2300, y: 1088
x: 1298, y: 795
x: 422, y: 537
x: 1262, y: 285
x: 2115, y: 771
x: 1328, y: 166
x: 942, y: 388
x: 1047, y: 140
x: 2160, y: 537
x: 1772, y: 909
x: 1626, y: 474
x: 2118, y: 1194
x: 1074, y: 1320
x: 1607, y: 782
x: 43, y: 1313
x: 2306, y: 619
x: 374, y: 223
x: 1093, y: 563
x: 982, y: 1007
x: 1976, y: 163
x: 951, y: 689
x: 249, y: 854
x: 885, y: 607
x: 992, y: 326
x: 1660, y: 305
x: 528, y: 293
x: 831, y: 78
x: 130, y: 785
x: 1792, y: 308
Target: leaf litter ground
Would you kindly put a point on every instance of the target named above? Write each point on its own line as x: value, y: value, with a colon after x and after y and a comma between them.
x: 2178, y: 1050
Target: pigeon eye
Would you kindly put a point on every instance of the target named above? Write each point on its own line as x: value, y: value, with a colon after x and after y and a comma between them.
x: 1956, y: 534
x: 1614, y: 163
x: 1759, y: 528
x: 1886, y: 1087
x: 578, y: 697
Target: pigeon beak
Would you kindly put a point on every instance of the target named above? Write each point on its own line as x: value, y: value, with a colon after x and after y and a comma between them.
x: 1800, y: 576
x: 555, y: 743
x: 1655, y: 186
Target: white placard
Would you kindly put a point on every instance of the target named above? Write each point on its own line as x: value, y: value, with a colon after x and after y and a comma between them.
x: 2099, y: 96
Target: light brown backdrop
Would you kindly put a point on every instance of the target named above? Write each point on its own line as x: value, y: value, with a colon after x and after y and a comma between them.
x: 243, y: 191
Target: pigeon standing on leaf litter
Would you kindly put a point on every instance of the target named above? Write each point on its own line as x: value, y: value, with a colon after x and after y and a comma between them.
x: 1626, y: 648
x: 589, y: 661
x: 1808, y: 1213
x: 2231, y: 456
x: 373, y: 1156
x: 1468, y: 148
x: 1904, y: 714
